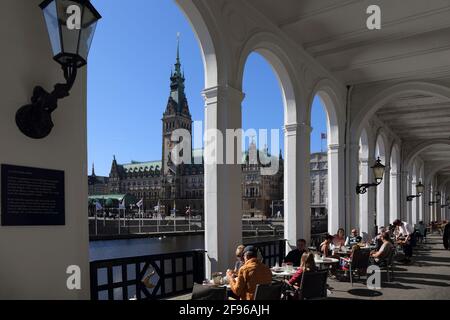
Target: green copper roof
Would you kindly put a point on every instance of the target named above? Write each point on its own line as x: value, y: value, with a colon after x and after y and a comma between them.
x: 136, y: 166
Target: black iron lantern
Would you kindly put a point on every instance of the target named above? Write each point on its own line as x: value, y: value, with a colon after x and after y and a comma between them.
x: 70, y: 25
x: 378, y: 172
x: 437, y: 197
x: 420, y: 188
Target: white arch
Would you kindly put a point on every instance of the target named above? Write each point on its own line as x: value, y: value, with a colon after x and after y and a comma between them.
x: 333, y: 104
x: 297, y: 195
x: 412, y: 208
x: 271, y: 48
x: 380, y: 152
x: 422, y: 146
x: 385, y: 95
x: 420, y: 200
x: 203, y: 31
x: 364, y: 176
x: 336, y: 187
x: 394, y: 190
x: 436, y: 167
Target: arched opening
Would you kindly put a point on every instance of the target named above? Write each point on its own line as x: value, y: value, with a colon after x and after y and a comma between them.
x: 420, y: 200
x: 366, y: 219
x: 326, y: 176
x: 380, y: 152
x: 296, y: 200
x: 394, y: 191
x: 412, y: 208
x: 262, y: 143
x: 156, y: 81
x: 319, y: 167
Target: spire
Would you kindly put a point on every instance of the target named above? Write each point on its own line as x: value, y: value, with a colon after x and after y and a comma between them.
x: 177, y: 93
x: 93, y: 170
x: 178, y: 47
x: 281, y: 155
x: 178, y: 63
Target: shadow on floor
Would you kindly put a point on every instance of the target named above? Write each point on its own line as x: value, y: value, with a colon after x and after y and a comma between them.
x: 365, y: 292
x: 427, y: 264
x: 422, y: 282
x: 393, y: 285
x: 433, y: 259
x: 441, y: 277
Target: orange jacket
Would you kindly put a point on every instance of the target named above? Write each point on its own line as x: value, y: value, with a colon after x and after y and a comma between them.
x: 250, y: 274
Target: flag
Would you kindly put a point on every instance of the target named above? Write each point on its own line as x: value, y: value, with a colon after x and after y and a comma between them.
x: 156, y: 208
x: 140, y: 203
x: 98, y: 206
x: 122, y: 204
x: 323, y: 136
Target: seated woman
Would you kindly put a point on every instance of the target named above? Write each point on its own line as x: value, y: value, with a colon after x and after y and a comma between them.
x: 339, y: 238
x: 379, y: 257
x: 325, y: 246
x: 307, y: 264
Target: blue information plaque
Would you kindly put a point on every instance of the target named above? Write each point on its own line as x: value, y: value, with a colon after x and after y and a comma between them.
x: 31, y: 196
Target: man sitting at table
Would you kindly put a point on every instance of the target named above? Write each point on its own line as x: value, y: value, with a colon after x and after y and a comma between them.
x: 295, y: 255
x: 379, y: 257
x: 252, y: 273
x: 353, y: 239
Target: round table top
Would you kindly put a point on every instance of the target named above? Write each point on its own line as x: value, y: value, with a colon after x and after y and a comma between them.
x: 281, y: 272
x: 325, y: 260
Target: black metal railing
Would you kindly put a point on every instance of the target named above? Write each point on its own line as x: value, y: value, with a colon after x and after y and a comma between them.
x: 122, y: 279
x: 272, y: 251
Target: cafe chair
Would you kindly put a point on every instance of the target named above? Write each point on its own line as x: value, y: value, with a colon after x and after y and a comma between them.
x: 313, y: 285
x: 358, y: 264
x: 268, y: 291
x: 208, y: 292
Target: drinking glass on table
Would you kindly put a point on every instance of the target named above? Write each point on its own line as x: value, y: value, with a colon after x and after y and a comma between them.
x: 289, y: 267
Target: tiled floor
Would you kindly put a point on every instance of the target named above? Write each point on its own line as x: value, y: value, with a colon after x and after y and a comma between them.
x: 427, y: 277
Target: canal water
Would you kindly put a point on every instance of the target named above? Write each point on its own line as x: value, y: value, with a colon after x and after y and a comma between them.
x: 113, y: 249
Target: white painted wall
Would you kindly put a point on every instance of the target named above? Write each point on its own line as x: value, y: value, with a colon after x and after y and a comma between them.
x: 33, y: 260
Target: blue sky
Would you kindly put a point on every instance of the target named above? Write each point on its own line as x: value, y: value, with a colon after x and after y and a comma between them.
x: 129, y: 67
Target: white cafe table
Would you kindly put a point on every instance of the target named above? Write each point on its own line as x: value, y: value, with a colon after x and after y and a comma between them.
x: 322, y: 261
x: 283, y: 273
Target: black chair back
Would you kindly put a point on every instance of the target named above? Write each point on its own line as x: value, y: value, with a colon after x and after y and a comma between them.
x: 268, y: 291
x: 208, y: 292
x: 313, y: 285
x: 360, y: 259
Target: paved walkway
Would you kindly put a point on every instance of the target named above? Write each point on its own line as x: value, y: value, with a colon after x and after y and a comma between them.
x: 427, y: 277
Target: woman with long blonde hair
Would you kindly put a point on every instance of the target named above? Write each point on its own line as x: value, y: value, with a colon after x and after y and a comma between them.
x: 307, y: 264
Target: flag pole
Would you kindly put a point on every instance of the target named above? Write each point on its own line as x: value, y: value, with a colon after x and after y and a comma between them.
x: 174, y: 216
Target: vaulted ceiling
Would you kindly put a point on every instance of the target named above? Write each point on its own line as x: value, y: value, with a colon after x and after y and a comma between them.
x: 413, y: 41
